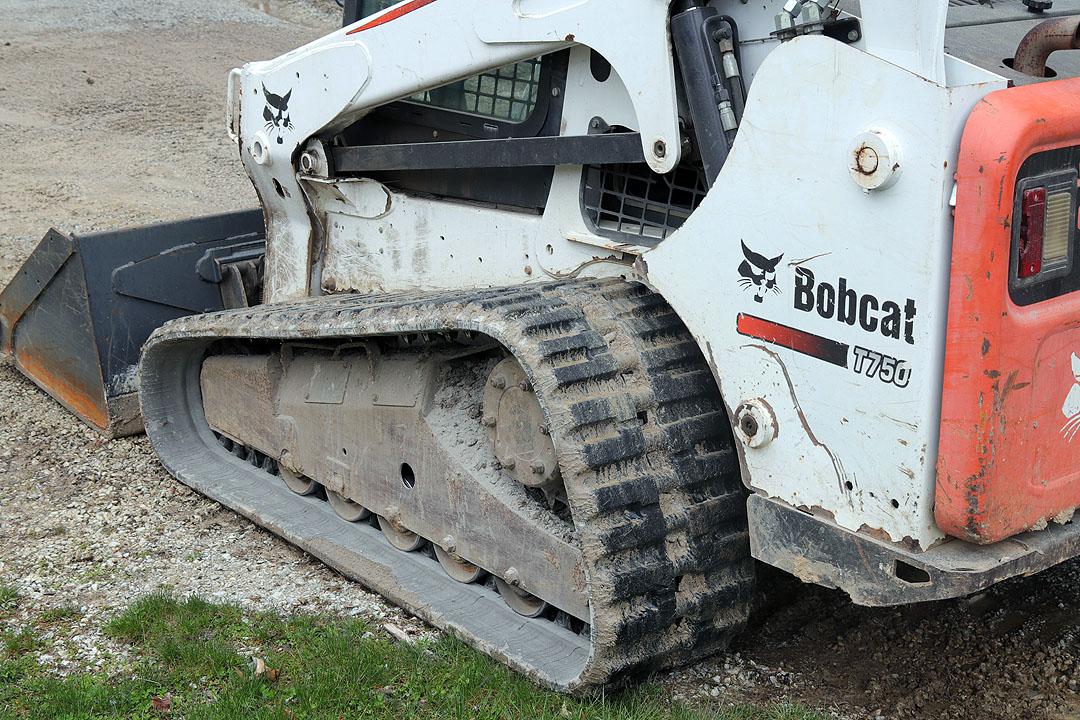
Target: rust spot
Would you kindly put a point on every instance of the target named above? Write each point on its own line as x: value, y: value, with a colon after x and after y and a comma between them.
x: 63, y: 389
x: 985, y: 346
x: 570, y: 38
x: 876, y: 533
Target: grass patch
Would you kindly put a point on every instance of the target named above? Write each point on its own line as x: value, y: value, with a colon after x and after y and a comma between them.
x: 59, y: 614
x: 193, y: 664
x: 9, y: 597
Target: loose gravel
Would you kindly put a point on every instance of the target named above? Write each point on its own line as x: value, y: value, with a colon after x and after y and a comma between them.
x: 113, y: 116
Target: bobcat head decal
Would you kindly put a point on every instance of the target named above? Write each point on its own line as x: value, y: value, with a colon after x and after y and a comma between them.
x: 758, y: 272
x: 276, y: 114
x: 1071, y: 408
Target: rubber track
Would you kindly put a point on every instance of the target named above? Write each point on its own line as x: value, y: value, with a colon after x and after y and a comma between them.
x: 643, y: 439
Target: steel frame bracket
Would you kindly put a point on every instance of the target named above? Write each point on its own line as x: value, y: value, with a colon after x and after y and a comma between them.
x: 878, y: 573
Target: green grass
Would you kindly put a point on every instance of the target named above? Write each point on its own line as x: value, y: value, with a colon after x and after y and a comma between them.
x: 58, y: 614
x: 188, y: 650
x: 9, y: 597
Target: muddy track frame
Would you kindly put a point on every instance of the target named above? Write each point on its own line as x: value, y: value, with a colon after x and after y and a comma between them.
x: 642, y: 438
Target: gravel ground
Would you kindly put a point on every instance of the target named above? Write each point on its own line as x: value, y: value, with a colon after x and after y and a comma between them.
x: 114, y: 117
x: 126, y: 126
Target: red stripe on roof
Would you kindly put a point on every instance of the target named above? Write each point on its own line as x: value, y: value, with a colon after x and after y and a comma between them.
x: 392, y: 14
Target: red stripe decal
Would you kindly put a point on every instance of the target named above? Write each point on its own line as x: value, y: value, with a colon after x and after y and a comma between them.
x: 801, y: 341
x: 392, y: 14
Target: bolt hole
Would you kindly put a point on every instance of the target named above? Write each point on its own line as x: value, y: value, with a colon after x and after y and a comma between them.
x: 911, y: 574
x: 550, y: 250
x: 896, y: 504
x: 643, y: 416
x: 849, y: 485
x: 408, y: 477
x: 344, y: 451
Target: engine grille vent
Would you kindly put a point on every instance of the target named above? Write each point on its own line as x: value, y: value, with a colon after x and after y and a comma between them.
x: 632, y: 200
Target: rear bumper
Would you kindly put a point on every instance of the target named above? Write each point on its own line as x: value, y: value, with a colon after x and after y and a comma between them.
x: 878, y: 573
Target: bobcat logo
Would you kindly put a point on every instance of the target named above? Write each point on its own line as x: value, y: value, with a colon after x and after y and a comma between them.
x: 276, y: 114
x: 758, y: 272
x: 1071, y: 408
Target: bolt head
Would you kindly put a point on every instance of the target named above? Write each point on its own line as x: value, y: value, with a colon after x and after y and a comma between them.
x: 876, y: 160
x: 498, y: 382
x: 755, y: 423
x: 660, y: 149
x: 867, y: 160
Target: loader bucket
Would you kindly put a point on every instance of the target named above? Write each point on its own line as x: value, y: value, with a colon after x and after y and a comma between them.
x: 77, y: 313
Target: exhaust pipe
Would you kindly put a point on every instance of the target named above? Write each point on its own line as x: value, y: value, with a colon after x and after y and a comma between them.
x: 1045, y: 39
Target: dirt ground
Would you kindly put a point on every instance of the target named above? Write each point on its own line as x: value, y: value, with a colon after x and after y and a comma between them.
x: 113, y: 115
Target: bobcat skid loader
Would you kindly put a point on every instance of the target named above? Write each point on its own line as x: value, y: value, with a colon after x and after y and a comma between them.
x: 574, y: 308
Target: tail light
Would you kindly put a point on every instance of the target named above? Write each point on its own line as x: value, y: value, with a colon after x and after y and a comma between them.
x: 1046, y: 209
x: 1032, y: 232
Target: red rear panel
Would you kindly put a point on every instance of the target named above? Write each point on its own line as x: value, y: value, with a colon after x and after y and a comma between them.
x: 1009, y: 457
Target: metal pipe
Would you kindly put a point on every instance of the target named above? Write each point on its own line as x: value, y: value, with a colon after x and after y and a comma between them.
x: 1043, y: 40
x: 701, y: 67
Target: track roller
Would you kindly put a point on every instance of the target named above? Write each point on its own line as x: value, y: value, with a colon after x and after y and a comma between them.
x: 520, y: 601
x: 298, y: 483
x: 458, y: 568
x: 346, y: 509
x: 400, y: 537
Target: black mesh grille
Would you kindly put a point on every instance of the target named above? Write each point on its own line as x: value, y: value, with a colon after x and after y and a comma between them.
x: 509, y: 93
x: 633, y: 200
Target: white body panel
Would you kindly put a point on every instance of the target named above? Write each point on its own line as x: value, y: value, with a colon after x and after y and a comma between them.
x: 857, y: 447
